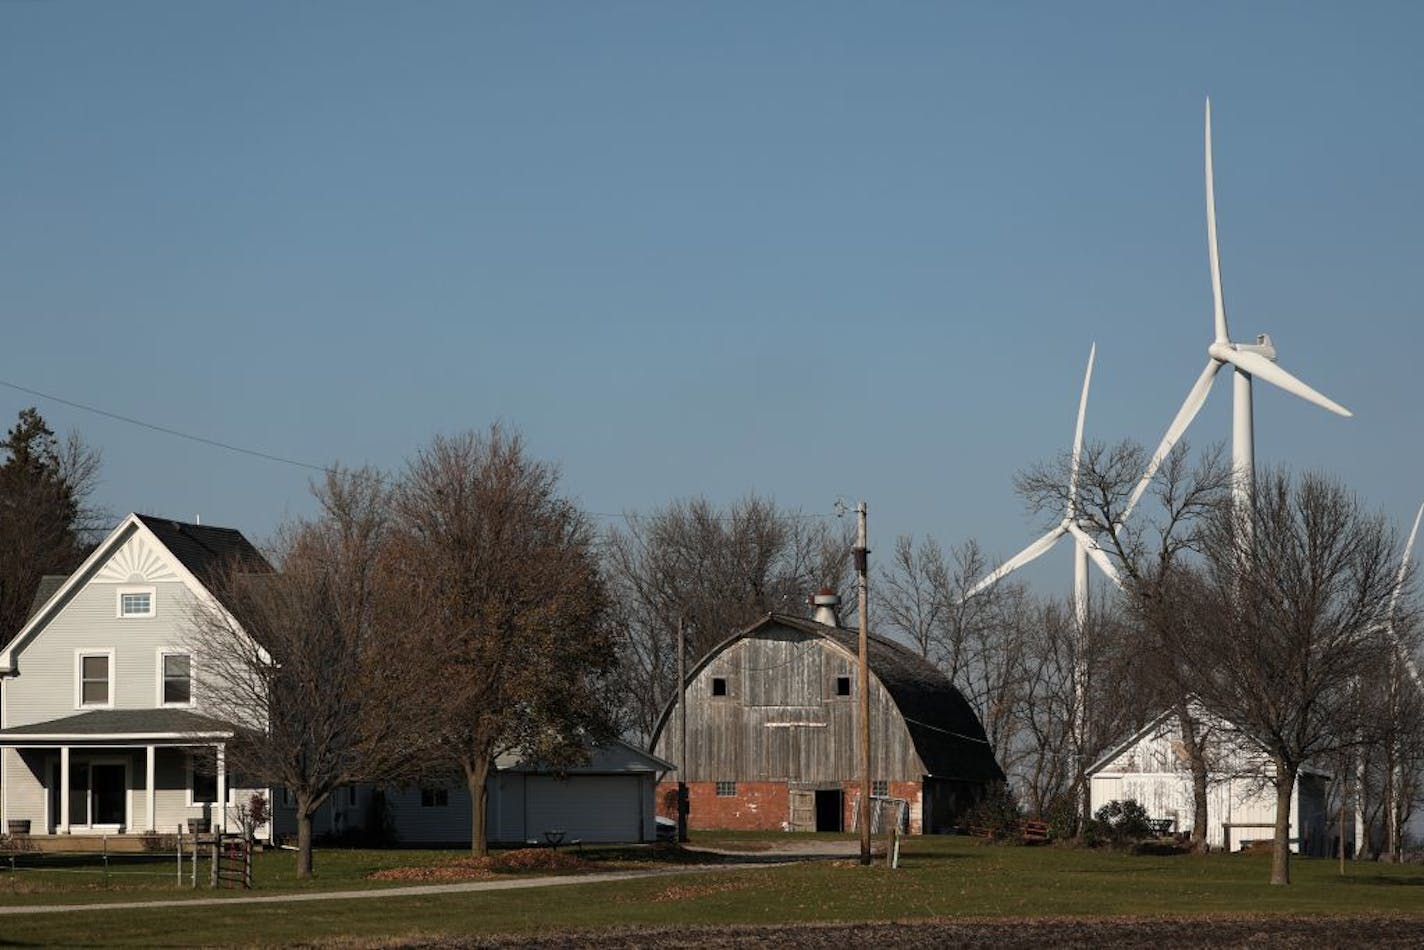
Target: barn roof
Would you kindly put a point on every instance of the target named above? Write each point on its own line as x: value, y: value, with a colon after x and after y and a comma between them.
x: 946, y: 732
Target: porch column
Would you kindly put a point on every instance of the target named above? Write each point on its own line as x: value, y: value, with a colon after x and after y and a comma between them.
x: 152, y: 789
x: 221, y: 823
x: 63, y: 822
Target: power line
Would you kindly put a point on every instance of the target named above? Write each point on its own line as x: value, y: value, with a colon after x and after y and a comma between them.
x: 298, y: 463
x: 256, y: 453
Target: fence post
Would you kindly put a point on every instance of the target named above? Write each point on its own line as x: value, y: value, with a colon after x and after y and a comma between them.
x: 217, y: 856
x: 105, y: 840
x: 247, y: 865
x: 179, y: 839
x: 193, y: 865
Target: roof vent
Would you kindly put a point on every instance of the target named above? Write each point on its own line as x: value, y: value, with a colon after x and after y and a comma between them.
x: 827, y: 603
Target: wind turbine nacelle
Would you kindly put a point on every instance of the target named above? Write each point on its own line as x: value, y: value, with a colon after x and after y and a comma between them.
x: 1263, y: 345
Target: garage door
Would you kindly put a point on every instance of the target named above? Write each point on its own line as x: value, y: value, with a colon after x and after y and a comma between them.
x: 588, y: 807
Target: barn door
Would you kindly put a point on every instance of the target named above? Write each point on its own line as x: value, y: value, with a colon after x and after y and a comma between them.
x: 803, y: 810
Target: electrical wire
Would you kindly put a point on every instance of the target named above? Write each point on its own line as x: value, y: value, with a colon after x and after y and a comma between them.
x: 312, y: 466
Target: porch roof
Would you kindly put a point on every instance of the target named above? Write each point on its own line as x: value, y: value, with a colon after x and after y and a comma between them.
x: 119, y: 727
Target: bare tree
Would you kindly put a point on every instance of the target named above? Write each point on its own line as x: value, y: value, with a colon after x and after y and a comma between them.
x: 507, y: 608
x: 718, y: 570
x: 303, y: 661
x: 1286, y: 618
x: 979, y: 642
x: 1150, y: 549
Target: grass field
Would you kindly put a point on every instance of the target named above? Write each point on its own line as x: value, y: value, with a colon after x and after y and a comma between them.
x: 939, y: 878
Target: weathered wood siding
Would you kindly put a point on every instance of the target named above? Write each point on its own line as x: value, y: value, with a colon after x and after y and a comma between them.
x: 781, y: 719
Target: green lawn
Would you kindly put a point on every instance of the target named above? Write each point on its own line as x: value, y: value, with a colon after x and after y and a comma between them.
x: 940, y: 877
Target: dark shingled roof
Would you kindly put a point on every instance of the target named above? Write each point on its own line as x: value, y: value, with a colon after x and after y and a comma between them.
x: 49, y: 583
x: 204, y: 549
x: 120, y: 722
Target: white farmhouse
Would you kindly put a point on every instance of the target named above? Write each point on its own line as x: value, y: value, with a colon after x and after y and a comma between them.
x: 1152, y: 768
x: 101, y: 705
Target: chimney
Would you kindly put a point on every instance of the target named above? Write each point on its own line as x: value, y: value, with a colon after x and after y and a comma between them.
x: 827, y: 603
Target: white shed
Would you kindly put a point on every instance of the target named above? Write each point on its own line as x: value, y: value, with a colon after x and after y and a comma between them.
x: 1152, y: 768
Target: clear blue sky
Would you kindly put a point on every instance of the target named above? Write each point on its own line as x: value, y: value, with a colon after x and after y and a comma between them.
x: 805, y: 249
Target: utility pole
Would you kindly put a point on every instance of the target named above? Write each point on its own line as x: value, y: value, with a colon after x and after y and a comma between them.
x: 861, y: 557
x: 682, y: 802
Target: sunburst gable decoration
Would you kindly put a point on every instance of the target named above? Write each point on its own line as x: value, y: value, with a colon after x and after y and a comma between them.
x: 138, y: 561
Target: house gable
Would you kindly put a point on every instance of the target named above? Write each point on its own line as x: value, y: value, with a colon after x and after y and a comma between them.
x: 131, y: 602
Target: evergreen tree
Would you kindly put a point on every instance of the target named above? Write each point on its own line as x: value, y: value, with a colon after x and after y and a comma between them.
x: 43, y: 519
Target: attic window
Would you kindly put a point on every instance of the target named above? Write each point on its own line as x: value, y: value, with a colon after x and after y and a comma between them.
x: 719, y: 686
x: 842, y: 685
x: 135, y: 602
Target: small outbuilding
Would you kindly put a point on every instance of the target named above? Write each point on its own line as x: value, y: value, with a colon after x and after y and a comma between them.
x: 1153, y: 768
x: 772, y: 741
x: 609, y: 799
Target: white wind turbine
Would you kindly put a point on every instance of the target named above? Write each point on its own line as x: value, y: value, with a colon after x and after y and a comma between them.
x: 1392, y: 826
x: 1249, y: 360
x: 1085, y: 547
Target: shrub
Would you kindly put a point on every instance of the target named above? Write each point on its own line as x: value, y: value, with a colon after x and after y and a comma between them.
x: 1062, y: 817
x: 996, y: 814
x: 1123, y: 821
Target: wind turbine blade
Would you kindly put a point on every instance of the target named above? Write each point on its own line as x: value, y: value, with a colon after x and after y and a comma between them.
x: 1262, y: 368
x: 1403, y: 567
x: 1019, y: 560
x: 1096, y: 553
x: 1218, y: 303
x: 1195, y: 398
x: 1078, y: 433
x: 1409, y: 665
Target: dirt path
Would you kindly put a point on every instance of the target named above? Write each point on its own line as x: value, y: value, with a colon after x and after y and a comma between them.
x: 1308, y: 933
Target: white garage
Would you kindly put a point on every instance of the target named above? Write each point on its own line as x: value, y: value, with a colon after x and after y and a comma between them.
x: 608, y: 800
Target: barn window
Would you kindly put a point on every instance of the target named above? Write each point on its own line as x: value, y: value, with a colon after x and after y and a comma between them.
x: 880, y: 787
x: 726, y: 789
x: 719, y: 686
x: 842, y: 685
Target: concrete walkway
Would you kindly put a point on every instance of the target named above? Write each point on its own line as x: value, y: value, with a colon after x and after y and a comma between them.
x: 420, y: 890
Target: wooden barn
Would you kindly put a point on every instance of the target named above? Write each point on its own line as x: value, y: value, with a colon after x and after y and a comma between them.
x: 772, y: 740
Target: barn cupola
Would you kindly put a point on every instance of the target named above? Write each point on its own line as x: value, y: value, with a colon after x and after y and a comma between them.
x: 827, y: 603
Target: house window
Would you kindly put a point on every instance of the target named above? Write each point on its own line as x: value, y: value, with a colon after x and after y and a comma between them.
x: 95, y: 679
x: 351, y: 794
x: 177, y: 679
x: 726, y: 789
x: 880, y: 787
x: 135, y: 602
x: 719, y: 686
x: 434, y: 797
x: 842, y: 685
